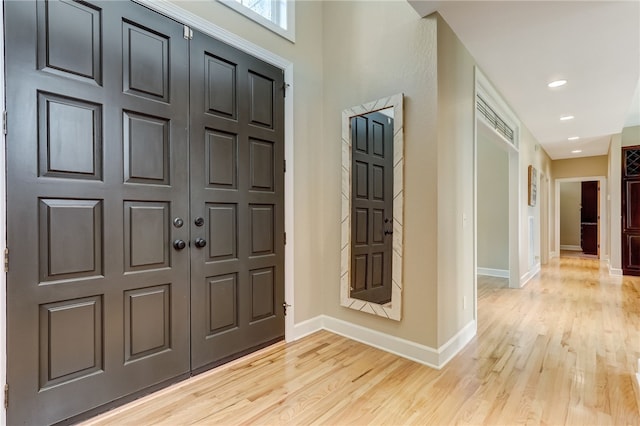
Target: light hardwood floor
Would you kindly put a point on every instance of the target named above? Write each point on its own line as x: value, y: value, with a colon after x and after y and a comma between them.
x: 563, y: 350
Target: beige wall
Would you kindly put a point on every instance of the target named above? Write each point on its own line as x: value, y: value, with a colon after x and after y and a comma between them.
x: 570, y: 201
x: 309, y: 152
x: 455, y: 147
x: 631, y: 136
x: 372, y: 50
x: 492, y: 202
x: 580, y: 167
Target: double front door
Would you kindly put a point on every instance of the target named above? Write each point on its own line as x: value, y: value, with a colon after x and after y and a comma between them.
x: 144, y: 204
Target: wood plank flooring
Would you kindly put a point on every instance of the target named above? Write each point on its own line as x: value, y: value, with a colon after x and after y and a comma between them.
x: 562, y: 350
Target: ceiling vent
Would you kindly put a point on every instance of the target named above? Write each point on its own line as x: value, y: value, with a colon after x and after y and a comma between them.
x: 494, y: 120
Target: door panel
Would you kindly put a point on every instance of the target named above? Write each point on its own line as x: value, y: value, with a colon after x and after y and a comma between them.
x: 632, y: 191
x: 104, y: 300
x: 97, y: 169
x: 631, y: 210
x: 589, y: 217
x: 237, y: 189
x: 372, y: 207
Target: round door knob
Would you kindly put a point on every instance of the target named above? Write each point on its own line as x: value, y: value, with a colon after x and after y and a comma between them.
x: 178, y: 222
x: 199, y: 221
x: 200, y: 242
x: 179, y: 244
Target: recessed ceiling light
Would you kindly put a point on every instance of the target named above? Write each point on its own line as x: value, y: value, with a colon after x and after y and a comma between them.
x: 574, y: 138
x: 576, y: 151
x: 567, y: 117
x: 557, y: 83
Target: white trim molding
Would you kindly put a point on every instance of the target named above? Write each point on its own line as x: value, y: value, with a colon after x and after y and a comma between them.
x: 490, y: 95
x: 288, y: 33
x: 489, y: 272
x: 3, y: 233
x: 185, y: 17
x: 616, y: 272
x: 530, y: 274
x: 434, y: 358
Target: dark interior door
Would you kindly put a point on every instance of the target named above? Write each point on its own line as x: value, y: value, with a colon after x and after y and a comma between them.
x: 589, y: 217
x: 98, y: 298
x: 372, y: 207
x: 631, y: 210
x: 237, y: 202
x: 131, y: 263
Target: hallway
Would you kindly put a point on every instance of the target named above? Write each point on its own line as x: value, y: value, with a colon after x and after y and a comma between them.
x: 562, y: 350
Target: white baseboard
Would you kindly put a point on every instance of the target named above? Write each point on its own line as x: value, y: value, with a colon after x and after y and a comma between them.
x: 616, y: 272
x: 450, y: 349
x: 434, y: 358
x: 305, y: 328
x: 570, y: 248
x: 489, y: 272
x: 532, y: 273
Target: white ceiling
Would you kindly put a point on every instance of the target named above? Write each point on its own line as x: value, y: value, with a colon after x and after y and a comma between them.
x: 523, y: 45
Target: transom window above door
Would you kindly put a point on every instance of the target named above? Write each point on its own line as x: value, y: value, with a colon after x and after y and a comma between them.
x: 275, y: 15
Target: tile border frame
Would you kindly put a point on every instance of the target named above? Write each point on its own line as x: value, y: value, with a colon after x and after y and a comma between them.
x: 394, y: 309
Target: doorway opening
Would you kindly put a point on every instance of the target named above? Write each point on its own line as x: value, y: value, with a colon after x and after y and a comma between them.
x: 497, y: 212
x: 579, y: 217
x: 497, y: 191
x: 492, y: 205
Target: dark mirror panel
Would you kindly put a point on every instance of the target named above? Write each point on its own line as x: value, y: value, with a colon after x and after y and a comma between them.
x: 372, y: 191
x: 371, y: 264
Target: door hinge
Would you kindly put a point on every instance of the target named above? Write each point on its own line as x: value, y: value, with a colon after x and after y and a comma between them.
x: 285, y: 305
x: 285, y: 238
x: 187, y: 33
x: 285, y: 166
x: 6, y: 396
x: 285, y: 86
x: 6, y: 259
x: 4, y: 122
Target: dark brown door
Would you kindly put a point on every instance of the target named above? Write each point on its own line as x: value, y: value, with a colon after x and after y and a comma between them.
x: 98, y: 297
x: 372, y: 207
x: 589, y: 217
x: 237, y: 202
x: 631, y: 210
x: 112, y: 275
